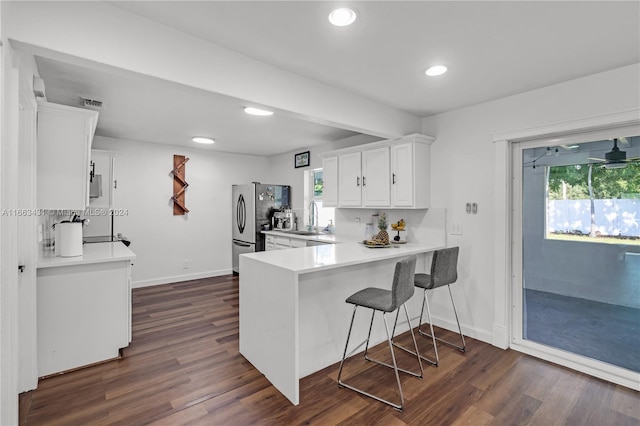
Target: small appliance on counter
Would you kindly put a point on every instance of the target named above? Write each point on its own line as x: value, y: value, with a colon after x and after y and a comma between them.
x: 68, y: 240
x: 283, y: 220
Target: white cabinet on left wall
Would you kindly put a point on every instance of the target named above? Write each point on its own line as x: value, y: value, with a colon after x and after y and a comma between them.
x: 64, y: 148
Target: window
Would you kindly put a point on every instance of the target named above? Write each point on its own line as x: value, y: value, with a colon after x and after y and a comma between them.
x: 590, y: 203
x: 313, y: 192
x: 317, y: 183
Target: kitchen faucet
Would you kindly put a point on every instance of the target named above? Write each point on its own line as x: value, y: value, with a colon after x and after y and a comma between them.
x: 313, y: 216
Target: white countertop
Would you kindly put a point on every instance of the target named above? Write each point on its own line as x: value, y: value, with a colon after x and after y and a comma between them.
x: 91, y: 253
x: 325, y: 238
x: 329, y: 256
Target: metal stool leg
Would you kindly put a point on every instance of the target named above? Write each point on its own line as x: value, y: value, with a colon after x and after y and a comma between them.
x: 396, y: 370
x: 415, y: 345
x: 346, y: 345
x: 446, y: 342
x: 366, y: 348
x: 432, y: 335
x: 464, y: 346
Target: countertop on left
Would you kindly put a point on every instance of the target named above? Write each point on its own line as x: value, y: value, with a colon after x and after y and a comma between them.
x: 91, y: 253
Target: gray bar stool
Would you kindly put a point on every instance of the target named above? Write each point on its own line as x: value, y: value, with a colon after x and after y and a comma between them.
x: 443, y: 272
x: 378, y: 299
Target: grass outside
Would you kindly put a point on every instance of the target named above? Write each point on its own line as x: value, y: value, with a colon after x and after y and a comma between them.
x: 587, y: 239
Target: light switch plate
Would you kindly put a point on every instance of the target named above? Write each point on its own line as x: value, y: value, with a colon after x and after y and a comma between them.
x: 456, y: 229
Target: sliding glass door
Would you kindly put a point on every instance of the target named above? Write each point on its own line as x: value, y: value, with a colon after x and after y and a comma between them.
x: 577, y: 224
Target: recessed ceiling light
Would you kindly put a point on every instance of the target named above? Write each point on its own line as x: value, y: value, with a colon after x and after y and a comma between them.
x: 436, y: 70
x: 201, y: 139
x: 342, y: 16
x: 257, y: 111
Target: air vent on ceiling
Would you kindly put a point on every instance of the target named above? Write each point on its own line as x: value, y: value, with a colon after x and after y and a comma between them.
x: 92, y: 104
x: 38, y: 87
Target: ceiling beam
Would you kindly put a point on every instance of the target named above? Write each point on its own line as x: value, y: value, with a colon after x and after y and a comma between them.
x: 103, y: 34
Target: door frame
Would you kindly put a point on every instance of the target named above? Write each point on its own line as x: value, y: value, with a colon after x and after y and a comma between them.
x: 27, y: 244
x: 507, y: 326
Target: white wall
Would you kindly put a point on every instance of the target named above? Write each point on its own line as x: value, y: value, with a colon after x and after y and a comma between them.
x: 463, y: 166
x: 161, y: 240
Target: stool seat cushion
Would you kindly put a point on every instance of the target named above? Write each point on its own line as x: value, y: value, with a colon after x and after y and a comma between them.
x: 423, y: 281
x: 373, y: 298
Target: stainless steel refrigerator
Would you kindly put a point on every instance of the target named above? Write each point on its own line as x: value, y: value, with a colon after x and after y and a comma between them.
x: 253, y: 207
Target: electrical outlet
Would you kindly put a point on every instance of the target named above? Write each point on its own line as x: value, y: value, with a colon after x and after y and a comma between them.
x: 185, y: 264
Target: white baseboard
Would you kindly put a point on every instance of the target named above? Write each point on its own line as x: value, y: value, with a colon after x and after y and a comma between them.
x: 179, y: 278
x: 500, y: 337
x: 467, y: 330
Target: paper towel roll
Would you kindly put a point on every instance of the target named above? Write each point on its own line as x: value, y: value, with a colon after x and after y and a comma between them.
x: 70, y: 241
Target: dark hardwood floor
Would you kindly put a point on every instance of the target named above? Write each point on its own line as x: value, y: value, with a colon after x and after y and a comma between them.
x: 183, y: 367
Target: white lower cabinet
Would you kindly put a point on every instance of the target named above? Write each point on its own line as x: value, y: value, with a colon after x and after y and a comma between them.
x: 83, y: 314
x: 311, y: 243
x: 270, y: 243
x: 296, y: 243
x: 277, y: 242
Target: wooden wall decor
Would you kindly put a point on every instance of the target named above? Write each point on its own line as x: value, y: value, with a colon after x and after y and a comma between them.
x: 179, y: 185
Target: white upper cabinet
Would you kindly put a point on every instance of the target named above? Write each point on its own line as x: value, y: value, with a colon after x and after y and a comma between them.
x: 64, y: 148
x: 375, y: 178
x: 330, y: 181
x: 349, y: 180
x: 391, y: 174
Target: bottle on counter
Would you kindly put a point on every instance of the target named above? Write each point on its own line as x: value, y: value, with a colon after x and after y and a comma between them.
x: 330, y: 228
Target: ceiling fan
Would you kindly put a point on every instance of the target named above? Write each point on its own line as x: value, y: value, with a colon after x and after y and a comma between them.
x: 615, y: 159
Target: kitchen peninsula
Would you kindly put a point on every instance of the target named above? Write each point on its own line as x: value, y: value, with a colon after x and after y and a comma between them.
x: 293, y: 315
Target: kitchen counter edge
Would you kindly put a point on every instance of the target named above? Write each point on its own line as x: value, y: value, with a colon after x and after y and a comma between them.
x: 325, y: 238
x: 91, y: 253
x: 330, y: 256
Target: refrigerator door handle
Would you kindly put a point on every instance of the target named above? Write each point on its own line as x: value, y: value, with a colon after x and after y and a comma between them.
x: 241, y: 214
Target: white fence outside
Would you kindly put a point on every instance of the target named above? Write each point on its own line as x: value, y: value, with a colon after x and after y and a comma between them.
x: 616, y: 217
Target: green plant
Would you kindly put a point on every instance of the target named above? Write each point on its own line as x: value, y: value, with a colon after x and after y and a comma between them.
x: 382, y: 222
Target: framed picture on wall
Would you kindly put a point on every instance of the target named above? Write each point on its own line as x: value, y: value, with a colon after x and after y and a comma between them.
x: 301, y: 159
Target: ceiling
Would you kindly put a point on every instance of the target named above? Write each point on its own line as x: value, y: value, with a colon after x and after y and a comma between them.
x: 492, y: 49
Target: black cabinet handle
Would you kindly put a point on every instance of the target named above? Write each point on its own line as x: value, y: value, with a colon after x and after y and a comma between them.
x: 393, y: 178
x: 358, y: 181
x: 364, y: 181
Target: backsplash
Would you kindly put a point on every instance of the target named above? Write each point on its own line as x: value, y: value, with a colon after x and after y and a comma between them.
x: 422, y: 226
